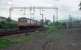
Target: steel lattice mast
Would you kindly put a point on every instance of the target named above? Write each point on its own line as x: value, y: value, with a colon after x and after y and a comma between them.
x: 41, y: 8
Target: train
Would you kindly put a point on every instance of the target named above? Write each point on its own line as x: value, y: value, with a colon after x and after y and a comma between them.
x: 24, y: 23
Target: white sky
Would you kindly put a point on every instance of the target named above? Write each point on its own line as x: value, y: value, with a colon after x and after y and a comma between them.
x: 66, y: 7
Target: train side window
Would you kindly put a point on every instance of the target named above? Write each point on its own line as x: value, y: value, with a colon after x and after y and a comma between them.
x: 25, y: 20
x: 28, y: 21
x: 20, y: 20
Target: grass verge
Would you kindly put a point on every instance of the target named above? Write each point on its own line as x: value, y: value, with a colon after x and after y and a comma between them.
x: 10, y: 40
x: 4, y: 43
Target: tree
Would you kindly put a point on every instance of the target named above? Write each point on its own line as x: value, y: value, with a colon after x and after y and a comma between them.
x: 80, y: 6
x: 47, y: 22
x: 9, y: 19
x: 41, y: 21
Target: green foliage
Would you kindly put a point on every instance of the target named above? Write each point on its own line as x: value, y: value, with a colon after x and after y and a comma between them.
x: 22, y: 39
x: 54, y: 32
x: 55, y: 26
x: 47, y: 22
x: 9, y: 19
x: 4, y: 43
x: 80, y: 6
x: 10, y: 40
x: 41, y: 21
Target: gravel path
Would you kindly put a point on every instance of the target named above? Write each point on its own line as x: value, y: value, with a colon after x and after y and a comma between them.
x: 38, y: 39
x: 73, y: 39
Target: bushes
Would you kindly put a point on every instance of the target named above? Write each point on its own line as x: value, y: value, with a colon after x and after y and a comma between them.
x: 55, y: 26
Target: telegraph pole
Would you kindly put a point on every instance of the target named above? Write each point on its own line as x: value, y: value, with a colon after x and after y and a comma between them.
x: 24, y: 11
x: 53, y: 18
x: 10, y: 9
x: 41, y: 15
x: 57, y: 14
x: 32, y: 13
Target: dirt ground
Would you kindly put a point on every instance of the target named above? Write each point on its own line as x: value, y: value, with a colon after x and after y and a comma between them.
x: 71, y: 41
x: 40, y: 41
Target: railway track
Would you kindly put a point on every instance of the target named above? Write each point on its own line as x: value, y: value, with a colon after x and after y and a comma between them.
x: 12, y: 32
x: 6, y: 32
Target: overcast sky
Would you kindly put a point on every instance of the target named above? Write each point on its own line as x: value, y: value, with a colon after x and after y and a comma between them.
x: 66, y: 7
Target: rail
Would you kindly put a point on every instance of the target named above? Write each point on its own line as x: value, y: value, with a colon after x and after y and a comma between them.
x: 6, y: 32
